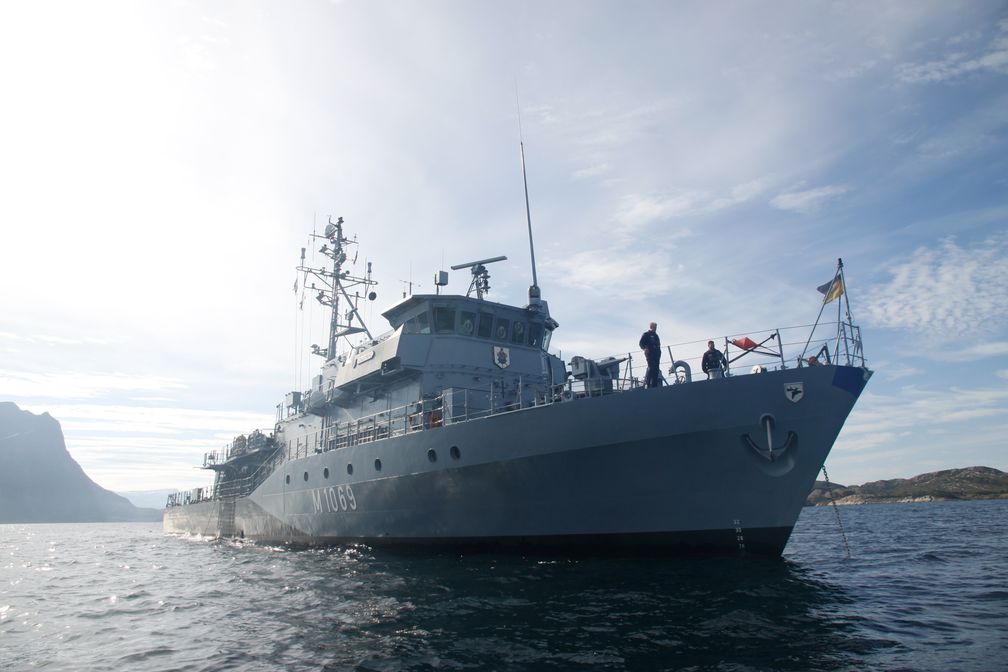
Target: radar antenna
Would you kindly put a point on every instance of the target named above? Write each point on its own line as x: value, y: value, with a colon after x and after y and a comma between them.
x: 335, y: 284
x: 481, y: 277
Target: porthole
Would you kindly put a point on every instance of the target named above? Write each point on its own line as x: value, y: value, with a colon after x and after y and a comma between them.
x: 377, y: 464
x: 349, y: 469
x: 325, y: 472
x: 431, y: 455
x: 455, y: 452
x: 288, y: 479
x: 306, y: 476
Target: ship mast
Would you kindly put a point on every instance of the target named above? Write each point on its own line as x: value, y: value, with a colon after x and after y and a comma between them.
x: 335, y: 283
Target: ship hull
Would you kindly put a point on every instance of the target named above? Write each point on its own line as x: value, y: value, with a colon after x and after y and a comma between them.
x: 722, y: 465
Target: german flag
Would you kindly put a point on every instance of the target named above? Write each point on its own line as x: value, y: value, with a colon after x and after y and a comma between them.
x: 832, y: 289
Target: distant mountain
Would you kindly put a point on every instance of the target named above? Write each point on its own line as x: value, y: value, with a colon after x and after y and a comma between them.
x: 41, y: 483
x: 154, y: 499
x: 950, y: 484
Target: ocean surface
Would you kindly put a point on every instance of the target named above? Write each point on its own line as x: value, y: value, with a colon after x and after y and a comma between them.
x: 925, y: 588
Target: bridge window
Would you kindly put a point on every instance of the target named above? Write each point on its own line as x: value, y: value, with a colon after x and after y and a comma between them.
x: 485, y: 325
x: 467, y: 323
x: 501, y: 328
x: 519, y: 333
x: 535, y: 335
x: 419, y: 324
x: 444, y: 320
x: 546, y: 339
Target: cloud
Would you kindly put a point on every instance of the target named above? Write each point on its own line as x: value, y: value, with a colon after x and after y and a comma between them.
x: 979, y: 351
x: 78, y: 385
x: 916, y: 430
x: 809, y: 201
x: 951, y: 290
x: 637, y: 211
x: 896, y: 371
x: 594, y: 170
x: 914, y: 411
x: 959, y: 63
x: 601, y: 273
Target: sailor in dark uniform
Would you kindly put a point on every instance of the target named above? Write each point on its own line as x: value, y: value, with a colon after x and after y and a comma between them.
x: 713, y: 362
x: 651, y: 345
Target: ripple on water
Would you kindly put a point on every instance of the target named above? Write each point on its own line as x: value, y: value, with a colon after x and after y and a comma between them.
x: 923, y: 591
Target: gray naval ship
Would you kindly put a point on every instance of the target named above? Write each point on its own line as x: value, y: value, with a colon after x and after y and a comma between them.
x: 458, y: 428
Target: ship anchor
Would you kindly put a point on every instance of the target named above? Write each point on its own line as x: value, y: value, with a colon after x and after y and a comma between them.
x: 770, y: 453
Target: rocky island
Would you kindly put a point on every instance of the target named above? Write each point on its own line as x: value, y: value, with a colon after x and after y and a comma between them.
x: 937, y: 486
x: 41, y: 483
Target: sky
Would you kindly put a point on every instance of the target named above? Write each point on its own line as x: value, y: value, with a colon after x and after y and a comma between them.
x: 701, y: 165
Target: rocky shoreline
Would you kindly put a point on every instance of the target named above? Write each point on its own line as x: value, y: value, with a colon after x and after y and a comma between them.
x: 969, y: 483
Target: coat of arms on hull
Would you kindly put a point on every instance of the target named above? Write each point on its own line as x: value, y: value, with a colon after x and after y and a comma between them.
x: 502, y: 356
x: 794, y: 392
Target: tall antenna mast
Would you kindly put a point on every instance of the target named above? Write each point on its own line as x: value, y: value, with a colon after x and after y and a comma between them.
x: 337, y: 281
x: 534, y: 293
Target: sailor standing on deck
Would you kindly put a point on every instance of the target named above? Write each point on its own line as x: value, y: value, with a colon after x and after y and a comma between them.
x: 651, y: 345
x: 713, y: 362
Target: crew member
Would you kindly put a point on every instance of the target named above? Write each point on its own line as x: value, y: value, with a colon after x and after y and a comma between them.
x: 714, y: 362
x: 651, y: 345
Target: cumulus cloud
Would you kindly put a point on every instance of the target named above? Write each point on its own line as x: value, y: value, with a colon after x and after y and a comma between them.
x: 808, y: 201
x: 953, y: 291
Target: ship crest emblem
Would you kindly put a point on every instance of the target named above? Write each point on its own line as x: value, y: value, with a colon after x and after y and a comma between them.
x: 502, y: 356
x: 794, y: 392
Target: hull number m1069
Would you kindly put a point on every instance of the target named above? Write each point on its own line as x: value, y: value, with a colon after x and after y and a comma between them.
x: 334, y: 499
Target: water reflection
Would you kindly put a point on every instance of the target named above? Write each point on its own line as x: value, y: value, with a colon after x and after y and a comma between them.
x: 520, y: 613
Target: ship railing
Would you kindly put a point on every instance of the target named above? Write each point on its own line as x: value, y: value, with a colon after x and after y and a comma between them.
x: 191, y: 496
x: 239, y: 487
x: 758, y: 351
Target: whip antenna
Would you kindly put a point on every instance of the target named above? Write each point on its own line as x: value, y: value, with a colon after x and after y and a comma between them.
x: 534, y: 293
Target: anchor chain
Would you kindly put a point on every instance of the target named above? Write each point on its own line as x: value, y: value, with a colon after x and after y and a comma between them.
x: 836, y: 510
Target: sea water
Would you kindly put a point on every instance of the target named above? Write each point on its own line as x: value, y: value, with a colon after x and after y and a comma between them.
x: 925, y: 588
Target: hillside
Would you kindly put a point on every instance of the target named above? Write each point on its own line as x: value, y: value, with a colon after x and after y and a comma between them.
x: 41, y: 483
x: 950, y: 484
